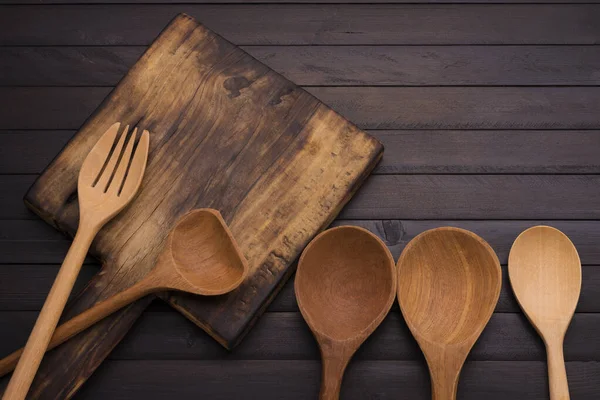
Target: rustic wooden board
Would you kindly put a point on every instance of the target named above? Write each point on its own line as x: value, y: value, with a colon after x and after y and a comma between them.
x: 227, y: 133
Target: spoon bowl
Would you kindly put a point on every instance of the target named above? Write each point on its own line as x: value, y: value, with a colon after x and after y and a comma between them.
x: 205, y: 254
x: 345, y: 286
x: 200, y: 256
x: 449, y: 284
x: 545, y: 274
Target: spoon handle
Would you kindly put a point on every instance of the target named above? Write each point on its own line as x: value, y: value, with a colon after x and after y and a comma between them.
x: 86, y: 319
x: 443, y: 388
x: 331, y: 379
x: 557, y: 373
x: 49, y: 316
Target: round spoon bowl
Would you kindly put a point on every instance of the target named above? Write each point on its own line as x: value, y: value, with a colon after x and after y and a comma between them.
x: 449, y: 281
x: 205, y: 255
x: 345, y: 283
x: 545, y: 274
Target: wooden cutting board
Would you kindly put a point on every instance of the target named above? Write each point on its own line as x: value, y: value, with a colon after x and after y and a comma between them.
x: 229, y: 133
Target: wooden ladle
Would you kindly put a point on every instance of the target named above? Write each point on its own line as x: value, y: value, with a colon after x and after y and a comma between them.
x: 200, y: 256
x: 545, y: 274
x: 345, y: 286
x: 449, y: 281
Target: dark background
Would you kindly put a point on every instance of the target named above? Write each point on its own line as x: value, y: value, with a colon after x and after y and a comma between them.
x: 489, y: 114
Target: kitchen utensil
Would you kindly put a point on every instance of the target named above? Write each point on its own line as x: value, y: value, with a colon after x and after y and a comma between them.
x: 200, y: 257
x: 449, y: 282
x: 227, y: 133
x: 108, y: 181
x: 345, y: 286
x: 545, y: 273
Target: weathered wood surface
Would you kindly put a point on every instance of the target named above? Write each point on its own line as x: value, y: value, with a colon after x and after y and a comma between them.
x: 432, y: 197
x: 33, y: 242
x: 328, y: 65
x: 407, y: 151
x: 299, y: 24
x: 463, y: 50
x: 230, y: 134
x: 165, y: 335
x: 368, y: 107
x: 283, y: 1
x: 299, y: 380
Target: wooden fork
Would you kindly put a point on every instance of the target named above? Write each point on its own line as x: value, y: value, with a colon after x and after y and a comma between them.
x: 108, y: 180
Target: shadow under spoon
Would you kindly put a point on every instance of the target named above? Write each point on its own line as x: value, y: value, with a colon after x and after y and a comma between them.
x: 345, y: 286
x: 449, y: 282
x: 200, y: 257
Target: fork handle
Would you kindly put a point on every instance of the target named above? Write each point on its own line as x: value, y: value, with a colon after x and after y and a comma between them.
x: 51, y: 311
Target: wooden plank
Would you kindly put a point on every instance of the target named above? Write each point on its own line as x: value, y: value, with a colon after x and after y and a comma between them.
x: 476, y: 197
x: 488, y: 151
x: 24, y: 287
x: 407, y: 151
x: 36, y: 236
x: 329, y: 65
x: 29, y: 152
x: 14, y: 188
x: 224, y: 380
x: 465, y: 107
x: 169, y: 336
x: 298, y: 24
x: 286, y: 1
x: 36, y: 243
x: 368, y: 107
x: 436, y: 197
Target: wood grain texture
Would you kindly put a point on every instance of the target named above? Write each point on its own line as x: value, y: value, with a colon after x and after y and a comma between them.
x: 282, y: 151
x: 22, y: 287
x: 298, y: 24
x: 299, y: 380
x: 161, y: 334
x: 368, y: 107
x: 433, y: 197
x: 200, y: 256
x: 453, y: 277
x: 545, y: 274
x: 32, y: 241
x: 107, y: 181
x: 329, y: 65
x: 408, y: 151
x: 286, y: 1
x: 345, y: 286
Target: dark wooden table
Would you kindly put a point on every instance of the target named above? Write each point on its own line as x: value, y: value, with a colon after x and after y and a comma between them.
x: 489, y: 114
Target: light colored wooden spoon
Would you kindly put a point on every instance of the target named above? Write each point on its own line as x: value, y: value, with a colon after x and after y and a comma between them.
x: 345, y: 286
x: 109, y: 178
x: 545, y: 274
x: 200, y: 257
x: 449, y: 282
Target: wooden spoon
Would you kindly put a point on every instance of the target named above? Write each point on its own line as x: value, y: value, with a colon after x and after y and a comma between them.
x: 200, y: 256
x: 545, y: 274
x: 345, y: 286
x: 449, y: 283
